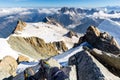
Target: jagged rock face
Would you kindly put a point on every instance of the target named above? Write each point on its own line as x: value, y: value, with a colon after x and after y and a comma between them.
x: 60, y: 46
x: 52, y: 21
x: 36, y: 47
x: 93, y: 31
x: 22, y: 58
x: 20, y: 26
x: 33, y: 71
x: 102, y: 41
x: 8, y: 67
x: 88, y: 68
x: 41, y: 47
x: 47, y: 48
x: 71, y: 34
x: 111, y: 61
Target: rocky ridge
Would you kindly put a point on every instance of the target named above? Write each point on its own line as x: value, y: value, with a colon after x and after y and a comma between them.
x: 89, y: 68
x: 52, y: 21
x: 104, y: 48
x: 36, y: 47
x: 20, y: 26
x: 109, y: 60
x: 101, y: 41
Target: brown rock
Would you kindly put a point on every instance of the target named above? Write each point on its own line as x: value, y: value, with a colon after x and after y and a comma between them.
x: 45, y: 49
x: 22, y: 58
x: 8, y: 67
x: 102, y: 41
x: 20, y: 26
x: 93, y: 30
x: 36, y: 47
x: 71, y: 34
x: 60, y: 46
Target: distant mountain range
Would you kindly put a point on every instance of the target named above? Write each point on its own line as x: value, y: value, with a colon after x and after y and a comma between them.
x: 71, y: 18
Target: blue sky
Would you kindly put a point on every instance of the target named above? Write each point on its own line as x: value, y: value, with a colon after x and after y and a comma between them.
x: 58, y: 3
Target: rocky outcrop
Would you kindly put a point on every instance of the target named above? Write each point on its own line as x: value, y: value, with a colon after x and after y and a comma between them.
x: 70, y: 34
x: 102, y: 41
x: 88, y: 68
x: 20, y: 26
x: 22, y: 58
x: 36, y: 47
x: 51, y: 20
x: 8, y: 67
x: 112, y: 62
x: 33, y: 71
x: 60, y: 46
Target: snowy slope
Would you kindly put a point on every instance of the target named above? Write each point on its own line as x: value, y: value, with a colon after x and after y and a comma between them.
x: 22, y: 66
x: 6, y: 50
x: 48, y: 32
x: 112, y: 27
x: 10, y: 16
x: 63, y: 58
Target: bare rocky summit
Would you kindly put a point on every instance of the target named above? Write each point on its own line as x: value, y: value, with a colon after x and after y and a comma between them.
x: 20, y: 26
x: 101, y: 41
x: 89, y: 68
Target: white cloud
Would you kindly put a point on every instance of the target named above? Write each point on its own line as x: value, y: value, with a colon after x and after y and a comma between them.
x: 102, y: 14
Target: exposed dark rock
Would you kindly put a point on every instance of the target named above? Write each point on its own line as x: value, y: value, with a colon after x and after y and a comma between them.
x: 64, y: 9
x: 112, y: 12
x: 102, y: 41
x: 70, y: 34
x: 88, y: 68
x: 31, y: 71
x: 35, y: 71
x: 111, y: 61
